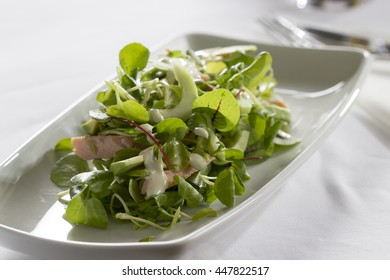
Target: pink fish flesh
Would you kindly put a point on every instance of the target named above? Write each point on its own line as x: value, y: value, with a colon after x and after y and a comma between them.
x: 104, y: 146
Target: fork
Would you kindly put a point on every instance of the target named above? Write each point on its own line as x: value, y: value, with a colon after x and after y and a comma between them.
x: 288, y: 33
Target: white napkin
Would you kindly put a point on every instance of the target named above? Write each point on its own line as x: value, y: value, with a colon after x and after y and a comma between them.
x: 375, y: 94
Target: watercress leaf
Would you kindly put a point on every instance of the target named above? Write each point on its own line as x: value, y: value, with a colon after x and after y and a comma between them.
x: 227, y: 185
x: 135, y: 191
x: 147, y: 209
x: 67, y: 167
x: 171, y: 128
x: 257, y: 124
x: 97, y: 180
x: 165, y: 214
x: 221, y: 105
x: 252, y: 75
x: 147, y: 239
x: 89, y: 211
x: 169, y: 199
x: 224, y: 187
x: 91, y: 127
x: 239, y: 57
x: 64, y: 145
x: 199, y: 119
x: 255, y: 72
x: 101, y: 164
x: 130, y: 110
x: 239, y: 187
x: 191, y: 196
x: 232, y: 78
x: 153, y: 73
x: 133, y: 58
x: 126, y: 81
x: 176, y: 54
x: 126, y: 153
x: 178, y: 154
x: 204, y: 212
x: 100, y: 182
x: 107, y: 97
x: 121, y: 190
x: 215, y: 67
x: 240, y: 168
x: 278, y: 112
x: 209, y: 194
x: 233, y: 154
x: 272, y: 129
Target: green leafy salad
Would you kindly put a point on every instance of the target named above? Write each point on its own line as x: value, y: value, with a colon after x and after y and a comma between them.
x: 171, y: 134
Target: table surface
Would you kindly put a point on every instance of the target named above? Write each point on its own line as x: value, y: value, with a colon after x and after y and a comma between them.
x: 335, y: 206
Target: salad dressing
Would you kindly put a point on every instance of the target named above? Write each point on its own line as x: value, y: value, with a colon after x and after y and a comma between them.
x: 197, y: 161
x: 155, y: 115
x: 156, y: 181
x: 200, y: 131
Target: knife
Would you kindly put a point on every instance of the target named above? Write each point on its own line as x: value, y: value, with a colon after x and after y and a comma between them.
x: 375, y: 46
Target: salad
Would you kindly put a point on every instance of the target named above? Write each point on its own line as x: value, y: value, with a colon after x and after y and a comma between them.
x: 172, y: 133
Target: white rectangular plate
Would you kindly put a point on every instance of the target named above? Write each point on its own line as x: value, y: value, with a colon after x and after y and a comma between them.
x: 31, y: 218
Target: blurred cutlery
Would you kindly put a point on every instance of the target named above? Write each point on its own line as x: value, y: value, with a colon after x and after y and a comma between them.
x: 289, y: 33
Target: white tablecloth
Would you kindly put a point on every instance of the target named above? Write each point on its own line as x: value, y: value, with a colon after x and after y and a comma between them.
x: 335, y: 206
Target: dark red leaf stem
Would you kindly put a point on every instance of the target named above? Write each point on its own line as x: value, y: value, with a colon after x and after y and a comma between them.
x: 252, y: 158
x: 216, y: 111
x: 239, y: 93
